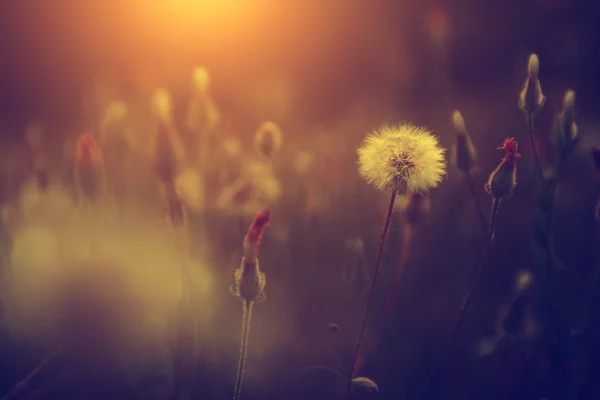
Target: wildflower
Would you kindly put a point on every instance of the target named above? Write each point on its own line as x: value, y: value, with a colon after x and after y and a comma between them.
x: 115, y: 112
x: 161, y: 105
x: 503, y: 180
x: 567, y: 116
x: 402, y: 158
x: 531, y: 98
x: 465, y: 156
x: 201, y: 79
x: 364, y: 388
x: 268, y: 139
x: 249, y: 280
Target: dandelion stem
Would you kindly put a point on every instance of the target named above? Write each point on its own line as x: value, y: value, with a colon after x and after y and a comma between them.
x: 391, y: 296
x: 243, y: 348
x: 538, y: 164
x: 482, y: 217
x: 463, y: 311
x: 367, y: 310
x: 24, y: 383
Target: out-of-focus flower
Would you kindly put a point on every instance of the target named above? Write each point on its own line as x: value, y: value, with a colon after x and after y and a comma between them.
x: 201, y: 79
x: 268, y: 139
x: 256, y: 189
x: 531, y: 98
x: 161, y: 106
x: 303, y: 160
x: 115, y: 112
x: 515, y: 319
x: 189, y: 187
x: 202, y: 113
x: 503, y: 180
x: 404, y: 158
x: 465, y: 154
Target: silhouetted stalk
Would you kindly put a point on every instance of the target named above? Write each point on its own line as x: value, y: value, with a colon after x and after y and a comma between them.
x: 482, y: 217
x: 463, y: 311
x: 367, y: 310
x: 536, y: 155
x: 184, y: 314
x: 391, y: 296
x: 24, y: 383
x: 247, y: 314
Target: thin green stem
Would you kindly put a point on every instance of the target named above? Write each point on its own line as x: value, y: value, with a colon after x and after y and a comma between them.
x: 243, y: 348
x: 463, y: 311
x: 363, y: 325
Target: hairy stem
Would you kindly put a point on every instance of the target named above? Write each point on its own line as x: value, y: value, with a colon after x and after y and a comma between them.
x: 479, y: 208
x: 363, y: 325
x: 243, y: 348
x: 23, y: 384
x: 536, y: 155
x: 463, y: 311
x: 391, y: 296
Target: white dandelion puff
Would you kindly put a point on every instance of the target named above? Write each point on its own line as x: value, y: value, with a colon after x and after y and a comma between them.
x: 404, y: 158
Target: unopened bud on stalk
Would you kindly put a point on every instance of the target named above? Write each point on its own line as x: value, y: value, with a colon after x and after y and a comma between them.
x: 503, y: 180
x: 268, y: 139
x: 523, y: 281
x: 201, y: 79
x: 161, y: 105
x: 458, y: 122
x: 567, y: 116
x: 531, y: 98
x: 364, y: 388
x: 465, y: 155
x: 249, y: 281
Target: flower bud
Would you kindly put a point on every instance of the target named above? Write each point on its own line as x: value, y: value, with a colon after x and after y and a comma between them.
x: 268, y: 139
x: 503, y: 180
x: 364, y: 388
x: 249, y: 281
x: 466, y: 155
x: 531, y: 98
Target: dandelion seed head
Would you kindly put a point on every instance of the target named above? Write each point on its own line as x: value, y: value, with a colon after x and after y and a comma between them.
x: 404, y: 158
